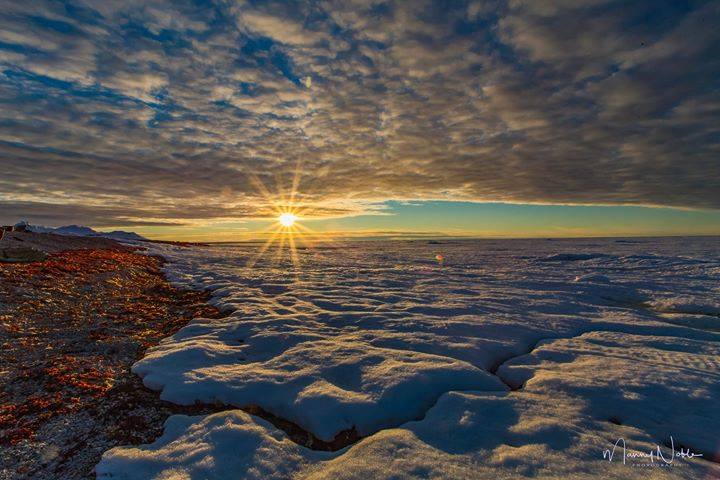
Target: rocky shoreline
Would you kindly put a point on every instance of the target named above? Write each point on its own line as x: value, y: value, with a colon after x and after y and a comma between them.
x: 71, y: 326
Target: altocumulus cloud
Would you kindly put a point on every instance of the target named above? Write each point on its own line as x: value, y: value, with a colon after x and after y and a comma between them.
x: 164, y: 111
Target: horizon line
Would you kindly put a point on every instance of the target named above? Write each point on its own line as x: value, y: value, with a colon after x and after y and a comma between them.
x: 411, y: 237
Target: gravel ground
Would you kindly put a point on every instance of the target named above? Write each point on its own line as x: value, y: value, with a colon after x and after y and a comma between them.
x: 70, y: 328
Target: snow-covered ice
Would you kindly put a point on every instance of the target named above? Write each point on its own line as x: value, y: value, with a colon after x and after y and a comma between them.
x: 662, y: 385
x: 598, y: 339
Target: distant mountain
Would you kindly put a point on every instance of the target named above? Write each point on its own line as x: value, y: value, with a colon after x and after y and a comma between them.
x: 122, y: 235
x: 83, y: 231
x: 76, y: 230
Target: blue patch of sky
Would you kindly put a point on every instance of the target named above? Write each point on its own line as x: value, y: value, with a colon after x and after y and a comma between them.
x: 469, y: 218
x: 82, y: 13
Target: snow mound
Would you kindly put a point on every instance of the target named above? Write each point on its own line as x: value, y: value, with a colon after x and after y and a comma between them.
x: 465, y: 435
x: 505, y: 436
x: 687, y: 304
x: 605, y: 290
x: 662, y: 385
x: 324, y: 386
x: 225, y: 445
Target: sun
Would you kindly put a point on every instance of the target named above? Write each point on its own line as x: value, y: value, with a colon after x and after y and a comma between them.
x: 287, y: 219
x: 287, y: 231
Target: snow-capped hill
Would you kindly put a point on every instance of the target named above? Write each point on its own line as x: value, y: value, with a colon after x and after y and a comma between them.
x: 83, y: 231
x: 33, y: 228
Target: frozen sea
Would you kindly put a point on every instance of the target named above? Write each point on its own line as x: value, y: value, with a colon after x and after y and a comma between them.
x: 456, y: 359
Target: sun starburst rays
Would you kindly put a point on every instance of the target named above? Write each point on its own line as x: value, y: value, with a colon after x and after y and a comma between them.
x: 286, y: 230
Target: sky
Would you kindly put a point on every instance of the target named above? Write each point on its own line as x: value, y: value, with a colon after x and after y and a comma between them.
x: 195, y: 119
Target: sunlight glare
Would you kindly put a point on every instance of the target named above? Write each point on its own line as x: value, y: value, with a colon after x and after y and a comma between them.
x: 286, y: 233
x: 287, y: 219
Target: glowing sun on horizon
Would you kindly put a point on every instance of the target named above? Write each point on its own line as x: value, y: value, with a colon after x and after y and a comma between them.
x: 287, y: 219
x: 285, y: 230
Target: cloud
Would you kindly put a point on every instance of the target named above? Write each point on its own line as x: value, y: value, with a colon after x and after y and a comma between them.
x: 39, y: 213
x: 129, y: 111
x: 284, y: 30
